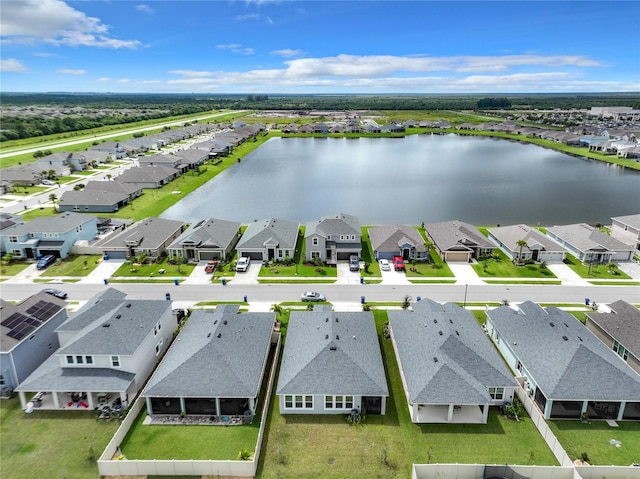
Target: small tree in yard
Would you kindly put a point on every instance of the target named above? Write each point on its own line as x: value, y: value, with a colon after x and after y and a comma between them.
x: 612, y: 268
x: 53, y: 198
x: 521, y: 244
x: 406, y: 302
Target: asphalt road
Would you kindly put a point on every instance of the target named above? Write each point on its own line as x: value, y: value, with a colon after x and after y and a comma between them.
x: 276, y: 293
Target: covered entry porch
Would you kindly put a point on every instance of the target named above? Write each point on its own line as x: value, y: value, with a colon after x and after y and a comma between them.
x: 450, y: 413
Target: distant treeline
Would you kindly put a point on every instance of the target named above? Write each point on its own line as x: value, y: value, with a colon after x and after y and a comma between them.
x: 153, y: 106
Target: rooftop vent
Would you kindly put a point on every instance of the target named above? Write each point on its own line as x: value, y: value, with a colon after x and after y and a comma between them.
x: 326, y: 320
x: 326, y: 336
x: 435, y: 360
x: 332, y: 348
x: 440, y: 333
x: 457, y: 333
x: 106, y: 325
x: 552, y: 325
x: 118, y: 316
x: 565, y: 338
x: 580, y: 338
x: 435, y: 320
x: 337, y: 336
x: 566, y: 325
x: 219, y: 335
x: 224, y: 322
x: 451, y: 320
x: 337, y: 320
x: 215, y: 322
x: 209, y: 335
x: 128, y: 305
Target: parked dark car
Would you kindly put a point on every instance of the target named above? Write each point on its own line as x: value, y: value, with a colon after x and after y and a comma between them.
x: 46, y: 261
x: 55, y: 292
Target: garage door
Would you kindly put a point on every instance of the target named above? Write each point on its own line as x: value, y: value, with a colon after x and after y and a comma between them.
x: 456, y: 256
x: 45, y: 252
x: 209, y: 255
x: 116, y: 254
x: 254, y: 256
x: 344, y: 256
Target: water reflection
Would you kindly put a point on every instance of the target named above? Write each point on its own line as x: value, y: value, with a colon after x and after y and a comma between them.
x: 409, y: 180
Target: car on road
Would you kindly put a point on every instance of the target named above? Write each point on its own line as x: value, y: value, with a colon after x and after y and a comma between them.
x: 384, y: 265
x: 243, y: 264
x: 55, y: 292
x: 312, y: 296
x: 45, y: 261
x: 398, y: 263
x: 80, y: 185
x: 48, y: 183
x: 354, y: 264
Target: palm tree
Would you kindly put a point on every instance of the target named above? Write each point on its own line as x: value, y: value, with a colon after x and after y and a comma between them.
x: 108, y: 177
x: 521, y: 243
x: 53, y: 198
x: 51, y: 174
x: 276, y: 308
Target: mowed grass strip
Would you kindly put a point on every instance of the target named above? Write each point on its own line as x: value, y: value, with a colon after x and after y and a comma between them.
x: 52, y: 444
x: 185, y: 442
x: 326, y: 446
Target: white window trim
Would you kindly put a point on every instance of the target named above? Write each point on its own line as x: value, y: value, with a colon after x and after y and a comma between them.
x: 332, y: 400
x: 495, y: 392
x: 292, y: 399
x: 115, y: 361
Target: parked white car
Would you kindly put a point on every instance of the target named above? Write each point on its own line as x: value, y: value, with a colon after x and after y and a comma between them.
x: 384, y: 265
x: 243, y: 264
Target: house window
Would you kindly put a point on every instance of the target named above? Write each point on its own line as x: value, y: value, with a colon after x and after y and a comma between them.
x: 1, y: 380
x: 79, y: 360
x: 69, y: 359
x: 88, y: 359
x: 76, y: 208
x: 13, y: 239
x: 315, y: 242
x: 280, y: 253
x: 159, y: 347
x: 519, y: 366
x: 115, y: 361
x: 298, y: 402
x: 353, y: 237
x: 17, y: 252
x: 341, y: 237
x: 315, y: 254
x: 496, y: 393
x: 621, y: 350
x: 338, y: 402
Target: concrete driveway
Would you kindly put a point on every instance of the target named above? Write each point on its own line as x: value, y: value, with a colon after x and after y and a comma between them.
x: 394, y: 277
x: 250, y: 276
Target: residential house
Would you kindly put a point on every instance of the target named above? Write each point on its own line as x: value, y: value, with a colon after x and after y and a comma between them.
x: 108, y: 349
x: 458, y: 241
x: 150, y: 236
x: 28, y: 337
x: 619, y: 330
x: 450, y: 371
x: 92, y: 201
x: 113, y: 148
x: 48, y: 235
x: 626, y: 229
x: 269, y: 240
x: 22, y: 175
x: 152, y: 177
x: 56, y: 162
x: 331, y: 364
x: 192, y: 158
x: 206, y: 240
x: 213, y: 148
x: 566, y: 369
x: 215, y: 367
x: 589, y: 244
x: 168, y: 161
x: 388, y: 241
x: 333, y: 238
x: 538, y: 246
x: 130, y: 189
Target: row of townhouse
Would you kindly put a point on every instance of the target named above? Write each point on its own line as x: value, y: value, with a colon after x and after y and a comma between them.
x: 114, y: 348
x: 331, y: 238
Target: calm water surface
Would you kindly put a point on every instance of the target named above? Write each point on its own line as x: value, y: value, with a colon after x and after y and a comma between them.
x: 418, y: 178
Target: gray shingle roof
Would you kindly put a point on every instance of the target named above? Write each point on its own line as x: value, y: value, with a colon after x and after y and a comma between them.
x: 622, y: 324
x: 340, y: 223
x: 210, y: 233
x: 92, y: 197
x: 578, y: 368
x: 631, y: 220
x: 269, y: 231
x: 510, y: 235
x: 53, y: 224
x: 149, y: 233
x: 456, y: 366
x: 390, y: 237
x: 129, y: 323
x: 584, y: 237
x: 448, y: 234
x: 219, y: 353
x: 332, y: 353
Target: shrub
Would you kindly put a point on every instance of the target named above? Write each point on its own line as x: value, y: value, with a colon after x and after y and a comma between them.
x: 244, y: 455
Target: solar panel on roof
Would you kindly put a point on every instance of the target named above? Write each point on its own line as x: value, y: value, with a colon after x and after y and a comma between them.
x: 21, y: 331
x: 14, y: 320
x: 36, y: 307
x: 43, y: 310
x: 34, y: 321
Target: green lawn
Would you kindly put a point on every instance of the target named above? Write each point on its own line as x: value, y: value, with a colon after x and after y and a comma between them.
x: 54, y: 444
x: 12, y: 268
x: 73, y: 265
x: 593, y: 439
x: 153, y: 269
x: 500, y: 266
x: 188, y: 442
x: 596, y: 271
x: 307, y: 446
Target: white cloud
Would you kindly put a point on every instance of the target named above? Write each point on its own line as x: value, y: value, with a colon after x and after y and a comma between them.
x: 236, y: 48
x: 144, y: 8
x: 124, y: 80
x: 103, y: 79
x: 288, y: 53
x: 44, y: 54
x: 55, y: 22
x: 191, y: 73
x: 69, y: 71
x: 250, y: 16
x: 12, y: 65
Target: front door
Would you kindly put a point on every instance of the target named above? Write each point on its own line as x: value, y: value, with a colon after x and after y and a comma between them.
x: 534, y: 254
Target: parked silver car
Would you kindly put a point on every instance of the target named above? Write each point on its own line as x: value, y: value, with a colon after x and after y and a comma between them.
x: 310, y: 296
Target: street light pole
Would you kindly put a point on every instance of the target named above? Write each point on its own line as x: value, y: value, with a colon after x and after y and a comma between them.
x: 465, y: 296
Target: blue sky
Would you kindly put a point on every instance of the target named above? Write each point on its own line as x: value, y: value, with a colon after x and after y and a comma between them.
x: 373, y: 47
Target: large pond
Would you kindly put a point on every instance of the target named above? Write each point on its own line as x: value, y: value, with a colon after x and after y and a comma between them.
x: 409, y: 180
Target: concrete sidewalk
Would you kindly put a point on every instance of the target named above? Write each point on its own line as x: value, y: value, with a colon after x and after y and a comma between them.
x: 103, y: 271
